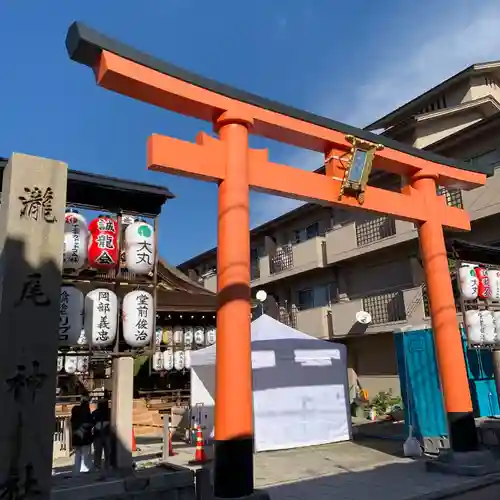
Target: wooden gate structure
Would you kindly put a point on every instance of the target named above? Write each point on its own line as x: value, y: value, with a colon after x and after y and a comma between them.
x: 227, y: 160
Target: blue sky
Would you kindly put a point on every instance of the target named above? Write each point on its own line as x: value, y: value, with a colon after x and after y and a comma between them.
x: 352, y: 61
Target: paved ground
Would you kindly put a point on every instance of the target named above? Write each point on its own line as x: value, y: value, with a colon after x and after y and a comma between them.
x: 371, y: 469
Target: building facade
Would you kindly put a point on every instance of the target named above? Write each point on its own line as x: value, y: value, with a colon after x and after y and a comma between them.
x: 321, y: 265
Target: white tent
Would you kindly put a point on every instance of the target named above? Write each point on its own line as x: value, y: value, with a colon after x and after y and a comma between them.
x: 300, y: 388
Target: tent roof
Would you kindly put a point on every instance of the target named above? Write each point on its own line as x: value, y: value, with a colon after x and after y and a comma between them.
x: 265, y: 329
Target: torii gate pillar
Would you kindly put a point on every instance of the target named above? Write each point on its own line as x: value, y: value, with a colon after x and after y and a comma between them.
x: 228, y: 161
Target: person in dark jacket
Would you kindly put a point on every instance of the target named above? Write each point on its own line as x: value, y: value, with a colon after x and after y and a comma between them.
x: 102, y: 434
x: 81, y: 436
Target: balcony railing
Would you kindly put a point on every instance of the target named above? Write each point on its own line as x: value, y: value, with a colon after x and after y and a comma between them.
x: 386, y: 307
x: 288, y: 317
x: 281, y: 260
x: 374, y: 229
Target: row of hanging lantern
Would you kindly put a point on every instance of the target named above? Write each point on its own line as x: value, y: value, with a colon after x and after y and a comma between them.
x: 482, y: 327
x: 93, y: 319
x: 185, y: 335
x: 73, y: 364
x: 97, y: 245
x: 171, y: 359
x: 478, y: 282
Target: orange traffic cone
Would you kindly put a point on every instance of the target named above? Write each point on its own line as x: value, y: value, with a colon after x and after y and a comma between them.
x: 134, y: 444
x: 199, y: 454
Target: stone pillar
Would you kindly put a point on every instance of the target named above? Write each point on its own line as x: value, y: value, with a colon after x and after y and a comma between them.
x: 121, y: 410
x: 31, y: 243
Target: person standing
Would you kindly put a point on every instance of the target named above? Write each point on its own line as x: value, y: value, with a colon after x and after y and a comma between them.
x: 81, y: 436
x: 102, y: 434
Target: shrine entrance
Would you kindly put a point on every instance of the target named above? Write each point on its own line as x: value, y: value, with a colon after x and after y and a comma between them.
x: 350, y: 154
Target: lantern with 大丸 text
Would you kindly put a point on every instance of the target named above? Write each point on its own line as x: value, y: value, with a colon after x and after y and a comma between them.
x: 199, y: 335
x: 75, y: 241
x: 179, y: 360
x: 211, y: 335
x: 70, y: 363
x: 188, y: 337
x: 70, y: 316
x: 139, y: 247
x: 138, y: 318
x: 187, y: 359
x: 101, y: 310
x: 157, y: 361
x: 178, y: 334
x: 168, y: 359
x: 103, y: 251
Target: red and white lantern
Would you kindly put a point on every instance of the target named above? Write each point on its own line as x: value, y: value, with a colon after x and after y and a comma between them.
x: 101, y: 310
x: 140, y: 248
x: 138, y: 318
x: 484, y: 289
x: 103, y: 243
x: 70, y: 316
x: 75, y: 241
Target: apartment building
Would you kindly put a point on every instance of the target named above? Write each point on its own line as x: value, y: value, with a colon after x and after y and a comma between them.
x: 321, y: 265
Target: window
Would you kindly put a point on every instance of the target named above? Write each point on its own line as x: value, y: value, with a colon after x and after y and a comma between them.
x: 312, y: 231
x: 305, y: 299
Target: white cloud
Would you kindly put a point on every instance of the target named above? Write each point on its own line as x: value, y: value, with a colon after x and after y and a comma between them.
x: 430, y: 55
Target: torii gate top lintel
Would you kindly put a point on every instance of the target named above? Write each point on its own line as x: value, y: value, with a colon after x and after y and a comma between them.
x: 123, y: 69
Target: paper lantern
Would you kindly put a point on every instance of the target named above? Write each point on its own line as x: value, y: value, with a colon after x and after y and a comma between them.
x: 103, y: 251
x: 179, y: 361
x: 82, y: 339
x: 178, y: 335
x: 494, y: 279
x: 60, y: 363
x: 483, y: 287
x: 168, y: 359
x: 82, y: 364
x: 70, y: 316
x: 488, y: 327
x: 101, y: 309
x: 199, y: 335
x: 211, y: 335
x: 158, y: 335
x: 468, y: 281
x: 75, y: 241
x: 473, y: 324
x: 188, y: 336
x: 138, y: 318
x: 140, y: 248
x: 167, y: 335
x: 496, y: 319
x: 157, y: 361
x: 70, y: 363
x: 187, y: 359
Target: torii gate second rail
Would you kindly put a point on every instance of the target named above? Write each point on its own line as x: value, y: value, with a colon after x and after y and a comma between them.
x: 228, y: 161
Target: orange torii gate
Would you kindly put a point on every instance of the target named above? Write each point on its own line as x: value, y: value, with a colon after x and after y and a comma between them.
x: 227, y: 160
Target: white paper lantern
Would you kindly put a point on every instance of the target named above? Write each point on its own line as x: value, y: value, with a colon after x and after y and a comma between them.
x: 82, y: 364
x: 157, y: 363
x: 199, y: 335
x: 82, y: 339
x: 138, y: 318
x: 211, y: 335
x: 60, y: 363
x: 70, y: 363
x: 179, y: 361
x: 70, y: 316
x: 488, y: 327
x: 188, y: 336
x: 494, y: 279
x: 158, y: 335
x: 473, y: 323
x: 496, y: 319
x: 168, y: 359
x: 468, y: 281
x: 101, y: 309
x: 75, y: 241
x: 178, y: 335
x: 187, y: 359
x: 140, y: 247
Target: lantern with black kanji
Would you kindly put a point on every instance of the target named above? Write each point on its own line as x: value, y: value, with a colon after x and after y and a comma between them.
x: 70, y: 316
x: 103, y: 251
x: 179, y: 360
x: 138, y: 318
x: 199, y: 335
x: 187, y: 359
x: 60, y: 363
x: 139, y: 247
x: 211, y: 335
x: 75, y: 241
x: 82, y: 364
x: 101, y: 310
x: 168, y: 359
x: 70, y: 363
x: 157, y: 361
